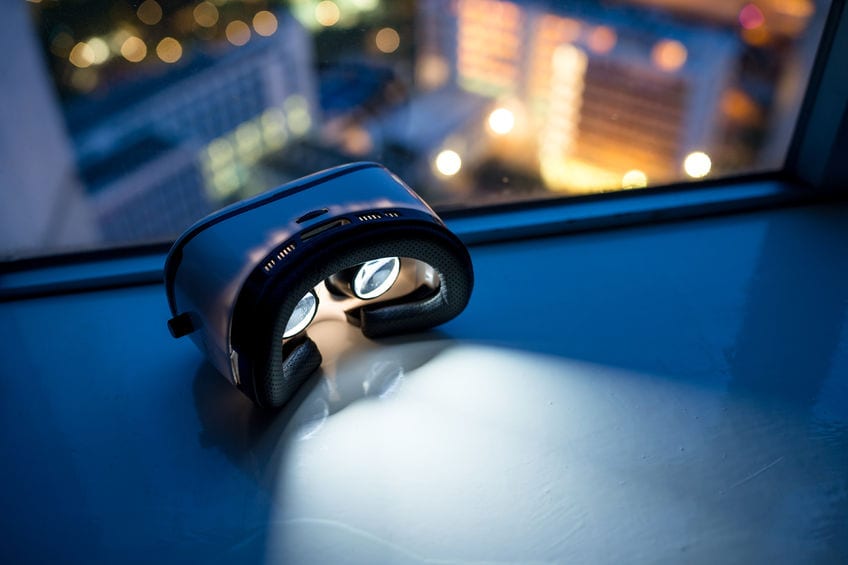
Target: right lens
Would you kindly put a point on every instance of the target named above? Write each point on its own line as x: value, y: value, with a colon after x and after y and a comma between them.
x: 376, y: 277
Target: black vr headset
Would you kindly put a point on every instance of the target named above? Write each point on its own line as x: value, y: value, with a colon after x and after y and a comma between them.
x: 353, y: 243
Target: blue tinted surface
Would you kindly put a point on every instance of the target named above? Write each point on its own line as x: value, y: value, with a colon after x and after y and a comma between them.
x: 661, y: 394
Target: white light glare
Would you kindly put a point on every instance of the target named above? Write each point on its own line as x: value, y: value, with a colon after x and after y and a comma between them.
x: 697, y: 164
x: 501, y: 121
x: 448, y: 162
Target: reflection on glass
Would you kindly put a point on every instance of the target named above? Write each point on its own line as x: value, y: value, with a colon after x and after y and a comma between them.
x: 173, y: 109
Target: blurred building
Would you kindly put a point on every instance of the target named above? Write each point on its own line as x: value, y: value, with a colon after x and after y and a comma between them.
x: 222, y: 109
x: 591, y: 93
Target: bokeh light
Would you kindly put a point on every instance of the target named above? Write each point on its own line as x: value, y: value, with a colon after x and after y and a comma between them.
x: 387, y: 40
x: 433, y: 71
x: 697, y: 164
x: 365, y: 5
x: 100, y: 49
x: 265, y: 23
x: 634, y: 178
x: 751, y: 17
x: 297, y: 114
x: 327, y: 13
x: 602, y: 39
x: 448, y: 162
x: 133, y: 49
x: 169, y: 50
x: 205, y: 14
x: 149, y: 12
x: 668, y: 55
x: 237, y: 32
x: 82, y: 55
x: 501, y: 121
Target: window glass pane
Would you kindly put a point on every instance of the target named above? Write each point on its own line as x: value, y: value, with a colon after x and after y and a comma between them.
x: 127, y: 121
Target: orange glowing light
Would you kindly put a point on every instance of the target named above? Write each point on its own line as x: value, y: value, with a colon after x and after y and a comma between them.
x: 602, y: 39
x: 205, y: 14
x: 796, y: 8
x: 237, y: 32
x: 739, y: 107
x: 387, y: 40
x: 669, y: 55
x: 133, y: 49
x: 265, y: 23
x: 327, y: 13
x: 82, y: 55
x: 169, y: 50
x: 757, y: 37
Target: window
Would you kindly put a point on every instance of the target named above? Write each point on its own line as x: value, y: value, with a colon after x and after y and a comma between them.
x: 132, y: 120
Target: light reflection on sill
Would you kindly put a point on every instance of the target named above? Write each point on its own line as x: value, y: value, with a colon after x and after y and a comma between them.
x: 446, y: 451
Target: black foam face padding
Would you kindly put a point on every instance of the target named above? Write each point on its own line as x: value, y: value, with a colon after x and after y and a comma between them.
x: 276, y: 378
x: 300, y: 359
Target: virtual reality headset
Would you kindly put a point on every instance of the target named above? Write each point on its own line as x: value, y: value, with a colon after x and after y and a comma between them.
x: 353, y: 243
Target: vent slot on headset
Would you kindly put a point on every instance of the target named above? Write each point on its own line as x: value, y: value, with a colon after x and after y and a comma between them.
x: 282, y: 254
x: 377, y: 216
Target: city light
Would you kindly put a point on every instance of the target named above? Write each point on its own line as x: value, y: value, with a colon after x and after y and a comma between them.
x: 365, y: 5
x: 205, y: 14
x: 740, y: 107
x: 265, y: 23
x: 602, y: 39
x: 237, y: 32
x: 248, y: 139
x: 149, y: 12
x: 169, y: 50
x: 432, y: 71
x: 565, y: 100
x: 668, y: 55
x: 489, y: 41
x: 387, y: 40
x: 82, y: 55
x: 751, y: 17
x: 573, y: 176
x: 697, y: 164
x: 117, y: 38
x: 634, y: 178
x: 796, y: 8
x: 100, y: 49
x: 327, y: 13
x: 297, y: 114
x: 133, y: 49
x: 448, y: 162
x: 501, y: 121
x: 757, y: 36
x: 274, y: 133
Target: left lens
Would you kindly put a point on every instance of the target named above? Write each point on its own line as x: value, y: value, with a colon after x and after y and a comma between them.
x: 375, y: 277
x: 302, y: 315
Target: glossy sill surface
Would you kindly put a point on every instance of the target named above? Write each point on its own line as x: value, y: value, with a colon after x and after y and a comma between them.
x: 663, y: 394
